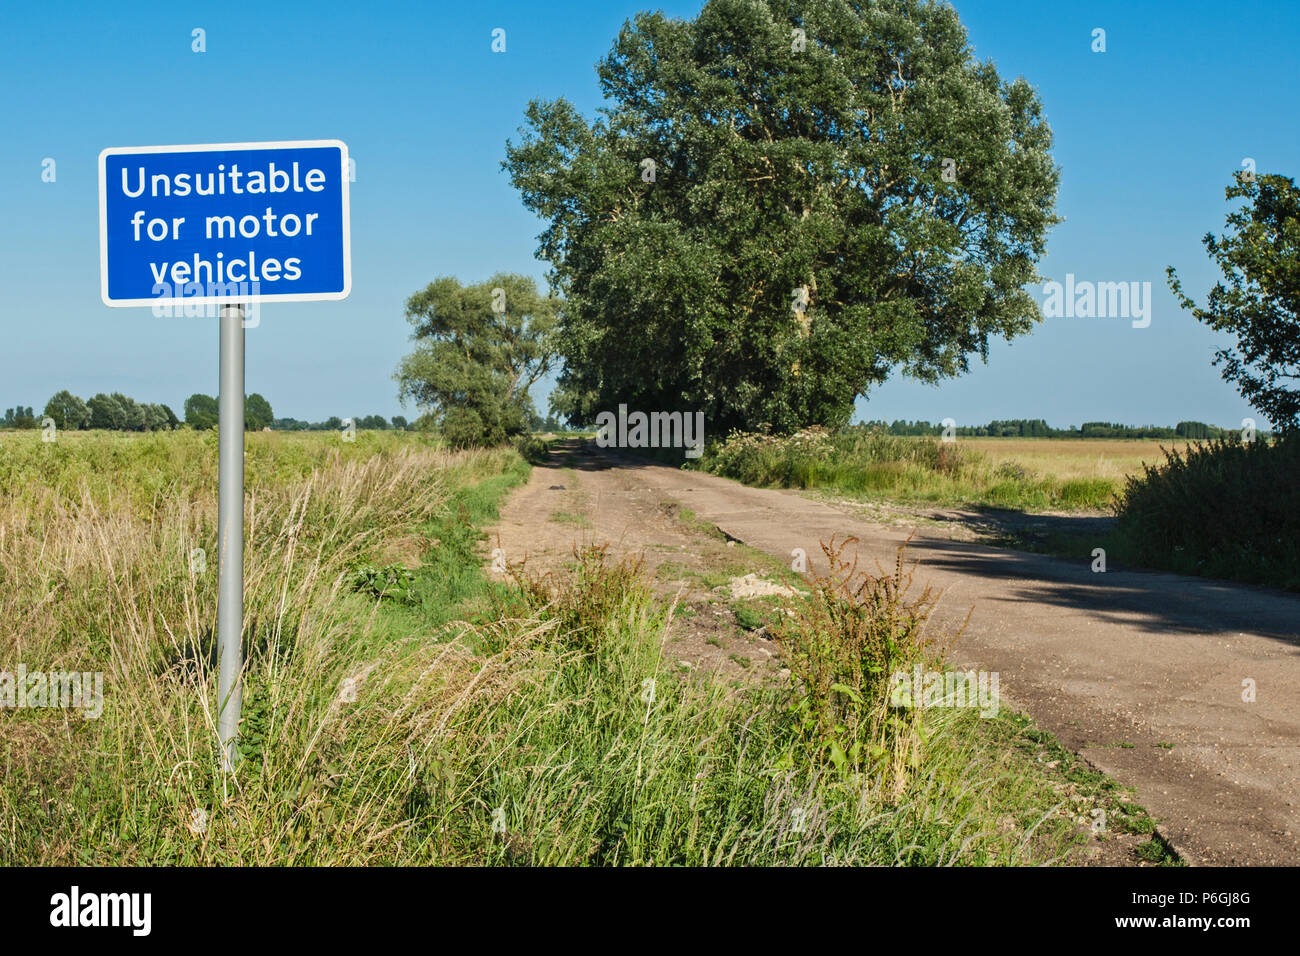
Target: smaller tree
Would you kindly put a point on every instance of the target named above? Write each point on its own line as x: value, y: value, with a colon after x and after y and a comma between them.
x: 479, y: 348
x: 1258, y: 299
x: 201, y: 411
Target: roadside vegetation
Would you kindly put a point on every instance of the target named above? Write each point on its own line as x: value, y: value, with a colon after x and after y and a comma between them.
x: 1246, y: 503
x: 400, y: 708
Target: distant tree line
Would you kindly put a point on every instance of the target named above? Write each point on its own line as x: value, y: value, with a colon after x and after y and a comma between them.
x: 18, y: 418
x: 201, y: 412
x: 334, y: 423
x: 117, y: 412
x: 1038, y: 428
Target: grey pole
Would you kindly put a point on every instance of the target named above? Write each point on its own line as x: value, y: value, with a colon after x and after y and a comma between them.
x: 230, y: 524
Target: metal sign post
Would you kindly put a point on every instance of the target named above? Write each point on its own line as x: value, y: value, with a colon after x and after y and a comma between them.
x: 230, y: 524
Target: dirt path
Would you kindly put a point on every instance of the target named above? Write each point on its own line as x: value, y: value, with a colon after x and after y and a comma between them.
x: 1142, y: 673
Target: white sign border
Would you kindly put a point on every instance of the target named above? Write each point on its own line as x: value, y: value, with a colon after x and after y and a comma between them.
x: 218, y: 299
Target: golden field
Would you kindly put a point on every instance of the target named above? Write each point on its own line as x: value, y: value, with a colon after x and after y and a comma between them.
x: 1111, y: 459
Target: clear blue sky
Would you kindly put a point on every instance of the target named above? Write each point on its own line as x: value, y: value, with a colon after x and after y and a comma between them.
x: 1147, y: 133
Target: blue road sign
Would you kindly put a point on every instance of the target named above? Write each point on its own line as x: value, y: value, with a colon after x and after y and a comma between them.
x: 227, y: 222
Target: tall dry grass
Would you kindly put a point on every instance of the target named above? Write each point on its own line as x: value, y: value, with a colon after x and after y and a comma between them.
x: 98, y: 573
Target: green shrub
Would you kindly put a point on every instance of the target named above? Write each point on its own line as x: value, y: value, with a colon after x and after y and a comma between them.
x: 843, y: 645
x: 390, y: 581
x: 815, y: 457
x: 1222, y: 509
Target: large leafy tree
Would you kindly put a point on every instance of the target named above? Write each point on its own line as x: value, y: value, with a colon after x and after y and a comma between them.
x: 838, y: 189
x: 1258, y: 299
x: 479, y: 348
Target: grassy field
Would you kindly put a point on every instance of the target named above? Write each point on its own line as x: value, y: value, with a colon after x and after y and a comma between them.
x: 1067, y: 459
x: 401, y: 709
